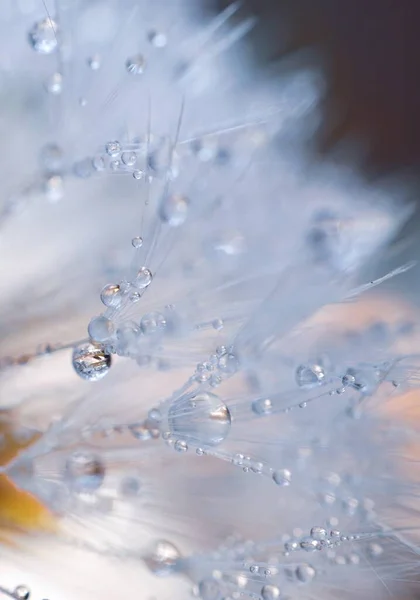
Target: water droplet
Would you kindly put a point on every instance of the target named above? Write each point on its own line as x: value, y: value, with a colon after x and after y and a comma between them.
x: 135, y: 64
x: 375, y: 550
x: 174, y: 210
x: 98, y: 163
x: 43, y: 36
x: 143, y: 279
x: 127, y: 338
x: 335, y: 534
x: 218, y: 324
x: 158, y: 40
x: 181, y: 446
x: 309, y: 376
x: 305, y: 573
x: 111, y: 295
x: 101, y: 329
x: 162, y: 561
x: 130, y: 487
x: 113, y: 149
x: 94, y: 62
x: 137, y: 242
x: 54, y: 188
x: 54, y: 84
x: 152, y: 323
x: 129, y: 158
x: 310, y: 545
x: 209, y: 589
x: 228, y: 363
x: 202, y: 418
x: 22, y: 592
x: 362, y: 380
x: 262, y: 406
x: 137, y: 174
x: 282, y: 477
x: 270, y: 592
x: 318, y: 533
x: 85, y: 472
x: 52, y: 158
x: 91, y: 362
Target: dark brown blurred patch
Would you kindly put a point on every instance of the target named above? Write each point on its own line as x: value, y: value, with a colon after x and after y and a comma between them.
x: 371, y: 53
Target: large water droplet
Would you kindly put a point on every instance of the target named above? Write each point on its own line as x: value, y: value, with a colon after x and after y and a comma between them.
x: 135, y: 64
x: 43, y: 36
x: 163, y: 559
x: 101, y: 329
x: 85, y: 472
x: 153, y: 322
x: 203, y: 418
x: 111, y: 295
x: 143, y: 278
x: 270, y: 592
x: 282, y: 477
x: 305, y: 573
x: 91, y: 362
x: 174, y: 209
x: 309, y: 376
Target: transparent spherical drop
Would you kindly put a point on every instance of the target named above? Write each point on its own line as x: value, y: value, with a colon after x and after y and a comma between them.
x: 43, y: 37
x: 111, y: 295
x: 98, y: 163
x: 54, y: 84
x: 94, y: 62
x: 158, y: 40
x: 153, y: 322
x: 310, y: 545
x: 202, y: 418
x: 54, y: 188
x: 85, y: 471
x: 262, y: 406
x: 209, y: 589
x: 22, y: 592
x: 174, y: 210
x: 101, y: 329
x: 309, y: 376
x: 318, y: 533
x: 282, y: 477
x: 129, y: 158
x: 305, y: 573
x: 138, y: 174
x: 137, y: 242
x: 143, y: 279
x: 270, y: 592
x: 113, y: 149
x: 163, y: 559
x: 135, y: 64
x: 181, y: 446
x: 91, y: 362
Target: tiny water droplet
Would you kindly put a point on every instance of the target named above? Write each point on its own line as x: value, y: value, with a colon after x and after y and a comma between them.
x: 90, y: 361
x: 282, y: 477
x: 111, y: 295
x: 135, y: 64
x: 137, y: 242
x: 43, y: 36
x: 143, y: 279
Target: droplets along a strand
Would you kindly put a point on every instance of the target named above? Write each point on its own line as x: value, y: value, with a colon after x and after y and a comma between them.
x: 43, y: 36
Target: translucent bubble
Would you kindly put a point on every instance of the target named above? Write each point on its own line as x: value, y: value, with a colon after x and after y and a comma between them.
x: 362, y: 380
x: 174, y: 210
x: 282, y: 477
x: 270, y: 592
x: 43, y: 36
x: 228, y: 363
x: 85, y: 472
x: 22, y: 593
x: 137, y: 174
x: 158, y: 40
x: 114, y: 165
x: 52, y: 158
x: 181, y: 446
x: 143, y: 279
x: 130, y: 486
x: 91, y: 362
x: 135, y: 64
x: 203, y: 418
x: 137, y: 242
x: 94, y: 62
x: 163, y: 559
x: 262, y: 406
x: 54, y: 84
x: 101, y: 329
x: 54, y: 188
x: 375, y: 550
x: 209, y: 589
x: 153, y: 322
x: 113, y: 148
x: 319, y: 533
x: 129, y: 158
x: 111, y: 295
x: 305, y: 573
x: 309, y: 376
x: 309, y: 544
